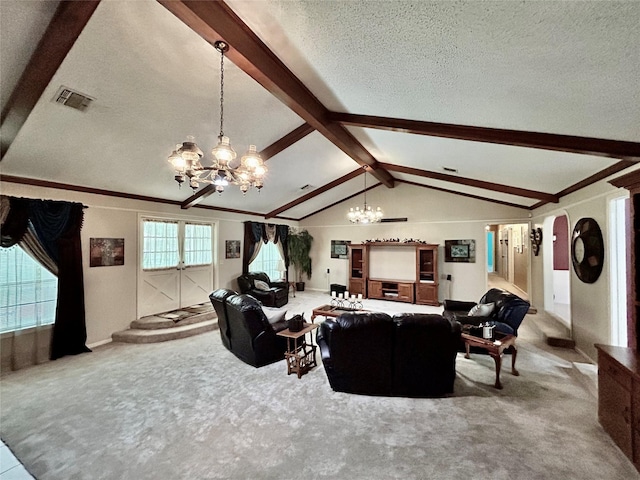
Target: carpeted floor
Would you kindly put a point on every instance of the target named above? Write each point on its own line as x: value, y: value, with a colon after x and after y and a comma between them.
x: 188, y: 409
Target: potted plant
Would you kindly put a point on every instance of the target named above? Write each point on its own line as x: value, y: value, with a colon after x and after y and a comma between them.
x: 299, y: 247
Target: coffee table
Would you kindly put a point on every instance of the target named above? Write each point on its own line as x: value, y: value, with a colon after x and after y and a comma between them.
x: 495, y: 348
x: 302, y: 357
x: 332, y: 311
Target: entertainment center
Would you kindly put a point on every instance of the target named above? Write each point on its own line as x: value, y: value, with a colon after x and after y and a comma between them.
x: 398, y: 271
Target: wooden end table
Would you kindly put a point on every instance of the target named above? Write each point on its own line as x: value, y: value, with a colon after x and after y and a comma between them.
x: 495, y: 348
x: 302, y: 357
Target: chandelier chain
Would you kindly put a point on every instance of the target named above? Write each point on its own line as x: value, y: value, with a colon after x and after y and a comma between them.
x: 221, y: 94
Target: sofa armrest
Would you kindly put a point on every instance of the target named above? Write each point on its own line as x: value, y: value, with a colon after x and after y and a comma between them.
x: 458, y: 305
x: 279, y: 285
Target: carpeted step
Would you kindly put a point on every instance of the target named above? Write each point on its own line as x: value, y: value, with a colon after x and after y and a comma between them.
x: 553, y: 332
x: 155, y: 322
x: 136, y: 335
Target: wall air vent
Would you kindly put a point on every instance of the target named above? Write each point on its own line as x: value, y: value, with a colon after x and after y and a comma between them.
x: 393, y: 220
x: 72, y: 99
x: 450, y: 170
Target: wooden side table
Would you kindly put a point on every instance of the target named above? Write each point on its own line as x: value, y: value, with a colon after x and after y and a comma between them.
x: 301, y: 357
x: 495, y: 348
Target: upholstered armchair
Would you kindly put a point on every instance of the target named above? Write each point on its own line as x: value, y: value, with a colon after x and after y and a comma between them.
x: 497, y: 307
x: 258, y: 285
x: 245, y: 329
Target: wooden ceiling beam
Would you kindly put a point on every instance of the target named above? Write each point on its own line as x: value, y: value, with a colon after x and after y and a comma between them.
x: 63, y: 30
x: 547, y: 141
x: 463, y: 194
x: 602, y: 174
x: 216, y: 21
x: 315, y: 193
x: 271, y: 151
x: 495, y: 187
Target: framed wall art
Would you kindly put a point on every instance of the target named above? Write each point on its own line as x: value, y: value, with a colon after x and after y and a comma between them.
x: 232, y: 249
x: 106, y: 252
x: 339, y: 248
x: 462, y: 251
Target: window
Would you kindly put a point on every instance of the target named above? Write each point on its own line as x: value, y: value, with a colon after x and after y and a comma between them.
x: 28, y: 291
x: 269, y: 261
x: 160, y: 245
x: 197, y: 244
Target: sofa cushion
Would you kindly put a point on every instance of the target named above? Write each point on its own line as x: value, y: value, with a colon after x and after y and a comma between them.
x: 274, y: 315
x: 482, y: 310
x: 260, y: 285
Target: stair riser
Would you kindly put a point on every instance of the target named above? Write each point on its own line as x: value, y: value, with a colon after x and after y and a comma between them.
x: 165, y: 323
x: 128, y: 337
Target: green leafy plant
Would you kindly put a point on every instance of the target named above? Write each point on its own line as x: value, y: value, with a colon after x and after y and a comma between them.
x: 300, y: 242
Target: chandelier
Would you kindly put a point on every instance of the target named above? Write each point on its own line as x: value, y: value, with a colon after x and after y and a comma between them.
x: 366, y: 214
x: 185, y: 159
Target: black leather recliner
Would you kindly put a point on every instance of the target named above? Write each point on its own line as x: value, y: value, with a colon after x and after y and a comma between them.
x: 249, y: 335
x: 218, y: 300
x: 276, y: 296
x: 507, y: 315
x: 412, y: 355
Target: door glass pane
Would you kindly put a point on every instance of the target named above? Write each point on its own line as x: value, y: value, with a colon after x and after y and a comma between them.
x: 28, y: 291
x: 197, y: 244
x: 160, y: 245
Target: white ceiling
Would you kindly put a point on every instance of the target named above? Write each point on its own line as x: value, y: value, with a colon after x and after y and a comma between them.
x: 557, y: 67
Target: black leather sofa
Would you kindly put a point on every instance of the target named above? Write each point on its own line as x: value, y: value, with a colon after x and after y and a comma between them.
x: 245, y: 330
x: 409, y: 355
x: 276, y: 295
x: 507, y: 314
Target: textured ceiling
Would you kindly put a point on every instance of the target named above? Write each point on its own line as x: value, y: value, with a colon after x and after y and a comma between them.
x: 567, y: 68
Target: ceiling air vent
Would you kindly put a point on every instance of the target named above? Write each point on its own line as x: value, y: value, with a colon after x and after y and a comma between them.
x: 450, y: 170
x: 72, y: 99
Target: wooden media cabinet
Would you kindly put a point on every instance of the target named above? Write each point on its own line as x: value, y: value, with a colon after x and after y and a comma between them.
x: 423, y: 289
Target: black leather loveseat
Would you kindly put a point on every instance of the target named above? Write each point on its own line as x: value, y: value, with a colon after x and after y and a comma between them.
x: 497, y: 307
x: 245, y: 329
x: 412, y: 355
x: 258, y: 285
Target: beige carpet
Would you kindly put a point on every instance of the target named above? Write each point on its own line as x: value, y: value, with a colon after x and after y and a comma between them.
x: 188, y: 409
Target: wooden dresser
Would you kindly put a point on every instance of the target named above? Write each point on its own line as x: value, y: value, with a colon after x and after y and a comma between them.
x: 619, y: 398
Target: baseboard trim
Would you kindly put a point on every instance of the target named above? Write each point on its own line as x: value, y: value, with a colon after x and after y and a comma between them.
x: 100, y: 343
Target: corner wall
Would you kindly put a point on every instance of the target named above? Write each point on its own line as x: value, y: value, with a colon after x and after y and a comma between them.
x: 110, y: 292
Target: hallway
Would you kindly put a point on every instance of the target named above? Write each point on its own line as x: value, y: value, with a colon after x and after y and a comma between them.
x: 496, y: 281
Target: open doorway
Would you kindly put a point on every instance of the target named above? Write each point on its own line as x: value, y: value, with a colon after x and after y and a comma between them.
x: 557, y: 275
x: 508, y: 258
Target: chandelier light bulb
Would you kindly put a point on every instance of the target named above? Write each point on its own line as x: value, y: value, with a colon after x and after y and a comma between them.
x: 223, y: 151
x: 251, y: 159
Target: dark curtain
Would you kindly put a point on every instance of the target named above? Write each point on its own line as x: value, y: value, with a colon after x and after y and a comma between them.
x: 57, y: 227
x: 255, y: 232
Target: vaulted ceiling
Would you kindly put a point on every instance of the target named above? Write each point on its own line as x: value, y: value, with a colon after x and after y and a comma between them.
x: 512, y: 102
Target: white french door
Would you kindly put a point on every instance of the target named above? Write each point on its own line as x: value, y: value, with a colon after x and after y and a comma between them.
x: 176, y: 268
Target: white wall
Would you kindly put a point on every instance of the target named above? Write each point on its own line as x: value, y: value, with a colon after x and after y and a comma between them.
x: 433, y: 216
x: 110, y: 292
x: 590, y: 303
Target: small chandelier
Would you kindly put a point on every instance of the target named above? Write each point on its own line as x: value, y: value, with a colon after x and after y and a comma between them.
x: 366, y: 214
x: 185, y: 159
